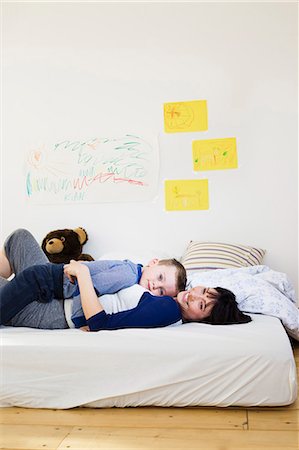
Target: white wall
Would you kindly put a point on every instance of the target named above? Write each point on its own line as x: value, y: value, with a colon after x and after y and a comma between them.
x: 75, y: 70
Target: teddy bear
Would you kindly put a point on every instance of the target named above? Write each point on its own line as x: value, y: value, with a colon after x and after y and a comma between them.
x: 61, y: 246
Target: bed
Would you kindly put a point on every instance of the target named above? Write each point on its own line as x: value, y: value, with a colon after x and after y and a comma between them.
x: 184, y: 365
x: 187, y: 365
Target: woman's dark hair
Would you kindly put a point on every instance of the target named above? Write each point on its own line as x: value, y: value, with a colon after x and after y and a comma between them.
x: 226, y: 311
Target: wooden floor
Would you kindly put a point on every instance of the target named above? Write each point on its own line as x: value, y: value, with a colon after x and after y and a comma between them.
x: 152, y: 428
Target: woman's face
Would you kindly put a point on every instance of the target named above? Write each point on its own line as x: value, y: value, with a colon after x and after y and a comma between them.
x: 197, y: 303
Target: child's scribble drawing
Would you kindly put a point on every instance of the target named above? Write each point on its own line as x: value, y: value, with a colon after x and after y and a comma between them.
x: 215, y: 154
x: 184, y: 195
x: 185, y: 116
x: 178, y: 115
x: 124, y: 168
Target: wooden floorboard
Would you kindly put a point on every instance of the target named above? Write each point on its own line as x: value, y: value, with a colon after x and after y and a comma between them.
x: 106, y: 438
x: 273, y: 420
x: 174, y: 439
x: 183, y: 418
x: 152, y: 428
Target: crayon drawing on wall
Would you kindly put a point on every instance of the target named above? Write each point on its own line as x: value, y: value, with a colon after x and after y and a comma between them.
x: 186, y: 195
x: 215, y: 154
x: 116, y: 169
x: 185, y: 116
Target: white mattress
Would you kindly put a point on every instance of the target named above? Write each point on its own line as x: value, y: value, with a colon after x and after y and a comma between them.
x: 186, y: 365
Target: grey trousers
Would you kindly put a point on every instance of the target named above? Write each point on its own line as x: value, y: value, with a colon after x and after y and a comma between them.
x: 23, y: 251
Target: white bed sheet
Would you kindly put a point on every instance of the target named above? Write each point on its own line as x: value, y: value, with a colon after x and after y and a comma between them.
x: 184, y: 365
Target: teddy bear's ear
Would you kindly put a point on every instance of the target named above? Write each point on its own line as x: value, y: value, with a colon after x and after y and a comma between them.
x: 83, y: 237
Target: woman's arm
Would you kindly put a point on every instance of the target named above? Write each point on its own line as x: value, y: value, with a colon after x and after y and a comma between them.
x: 90, y: 301
x: 150, y: 312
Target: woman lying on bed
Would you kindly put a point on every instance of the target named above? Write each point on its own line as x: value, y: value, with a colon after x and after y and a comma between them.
x: 133, y: 307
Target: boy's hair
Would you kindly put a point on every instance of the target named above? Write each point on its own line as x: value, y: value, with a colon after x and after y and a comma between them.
x: 181, y: 275
x: 226, y: 311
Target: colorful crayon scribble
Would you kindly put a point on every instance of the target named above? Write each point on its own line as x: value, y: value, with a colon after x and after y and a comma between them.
x: 95, y: 170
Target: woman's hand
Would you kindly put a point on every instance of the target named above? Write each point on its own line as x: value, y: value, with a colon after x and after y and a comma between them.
x: 89, y: 299
x: 72, y: 269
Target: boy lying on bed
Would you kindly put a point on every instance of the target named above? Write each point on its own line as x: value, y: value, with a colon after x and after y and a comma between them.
x: 160, y: 277
x: 141, y: 309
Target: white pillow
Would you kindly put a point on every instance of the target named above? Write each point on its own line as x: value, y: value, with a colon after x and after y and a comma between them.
x: 258, y: 289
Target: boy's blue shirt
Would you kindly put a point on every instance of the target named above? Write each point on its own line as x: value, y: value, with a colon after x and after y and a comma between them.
x: 108, y: 277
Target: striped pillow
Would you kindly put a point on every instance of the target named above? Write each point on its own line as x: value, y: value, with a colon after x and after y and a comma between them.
x: 217, y: 255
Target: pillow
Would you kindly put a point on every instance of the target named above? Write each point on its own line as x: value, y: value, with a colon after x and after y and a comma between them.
x: 203, y: 256
x: 258, y: 290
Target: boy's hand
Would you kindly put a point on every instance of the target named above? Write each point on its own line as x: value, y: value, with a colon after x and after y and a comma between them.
x: 72, y: 269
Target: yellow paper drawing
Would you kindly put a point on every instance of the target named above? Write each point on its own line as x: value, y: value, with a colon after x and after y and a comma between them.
x: 215, y: 154
x: 186, y: 195
x: 185, y: 116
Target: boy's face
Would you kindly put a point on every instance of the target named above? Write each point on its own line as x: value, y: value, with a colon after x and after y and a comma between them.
x: 159, y: 279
